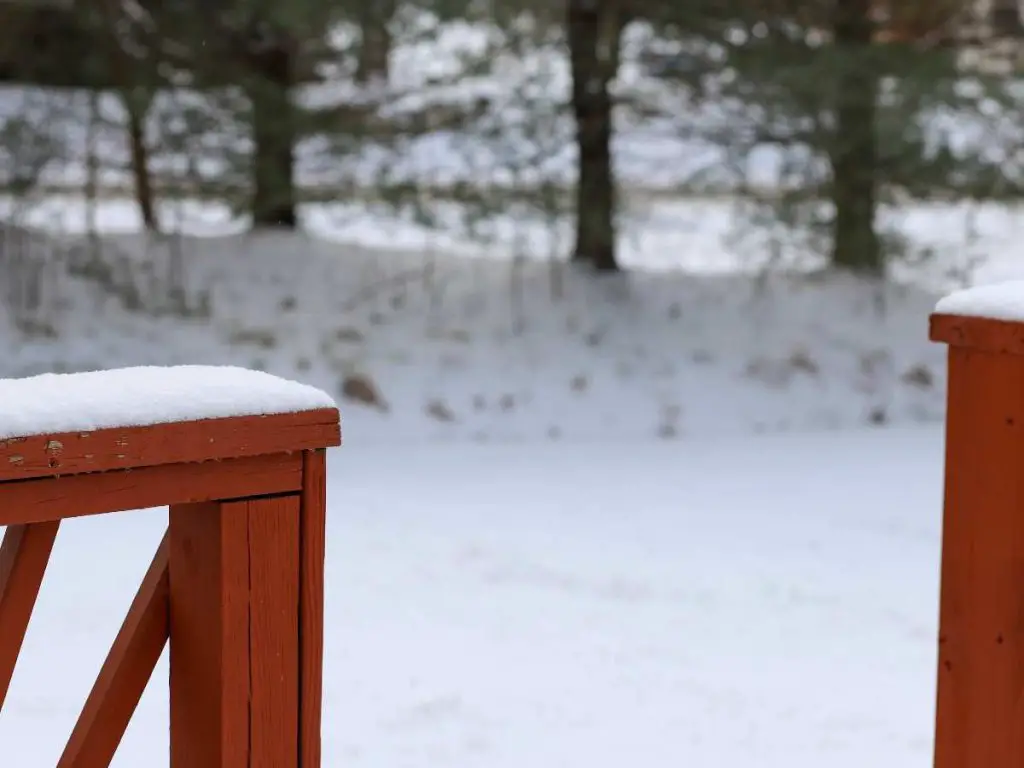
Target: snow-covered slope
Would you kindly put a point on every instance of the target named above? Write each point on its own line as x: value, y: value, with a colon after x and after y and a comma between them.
x: 455, y: 341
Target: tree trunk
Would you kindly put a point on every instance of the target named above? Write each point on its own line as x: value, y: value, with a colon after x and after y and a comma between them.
x: 134, y: 105
x: 854, y: 152
x: 594, y: 28
x: 273, y: 127
x: 375, y: 46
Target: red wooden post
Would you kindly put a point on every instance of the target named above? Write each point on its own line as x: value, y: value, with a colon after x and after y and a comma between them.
x: 209, y: 634
x: 312, y: 543
x: 980, y: 700
x: 246, y: 629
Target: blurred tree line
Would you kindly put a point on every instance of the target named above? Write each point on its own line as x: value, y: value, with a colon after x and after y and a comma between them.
x: 854, y: 105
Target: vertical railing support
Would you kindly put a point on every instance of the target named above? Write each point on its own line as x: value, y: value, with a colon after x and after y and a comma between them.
x: 313, y: 547
x: 246, y: 629
x: 980, y: 697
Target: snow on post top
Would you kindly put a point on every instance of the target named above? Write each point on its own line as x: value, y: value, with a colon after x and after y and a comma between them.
x: 137, y: 397
x: 999, y: 301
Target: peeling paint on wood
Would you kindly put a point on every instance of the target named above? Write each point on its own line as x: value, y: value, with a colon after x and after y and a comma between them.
x: 186, y: 442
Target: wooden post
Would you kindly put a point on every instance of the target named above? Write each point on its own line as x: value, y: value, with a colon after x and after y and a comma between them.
x: 236, y: 662
x: 209, y: 635
x: 980, y: 700
x: 312, y: 536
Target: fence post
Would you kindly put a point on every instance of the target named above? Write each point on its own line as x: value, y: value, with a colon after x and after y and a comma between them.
x: 246, y: 605
x: 980, y: 695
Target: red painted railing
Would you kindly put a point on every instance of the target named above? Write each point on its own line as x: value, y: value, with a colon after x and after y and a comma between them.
x: 236, y: 585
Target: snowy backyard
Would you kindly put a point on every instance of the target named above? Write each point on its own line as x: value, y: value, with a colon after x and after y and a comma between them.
x: 686, y: 515
x: 674, y: 518
x: 689, y: 516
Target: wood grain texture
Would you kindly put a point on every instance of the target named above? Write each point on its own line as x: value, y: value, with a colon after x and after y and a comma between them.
x: 55, y: 498
x: 209, y: 630
x: 983, y: 334
x: 312, y: 537
x: 24, y: 555
x: 125, y: 673
x: 180, y: 442
x: 980, y: 708
x: 274, y: 632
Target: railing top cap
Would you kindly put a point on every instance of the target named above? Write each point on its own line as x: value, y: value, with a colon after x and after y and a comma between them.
x: 998, y: 301
x: 146, y: 396
x: 987, y: 318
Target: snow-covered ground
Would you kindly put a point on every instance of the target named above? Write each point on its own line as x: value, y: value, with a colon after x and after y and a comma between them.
x: 764, y: 601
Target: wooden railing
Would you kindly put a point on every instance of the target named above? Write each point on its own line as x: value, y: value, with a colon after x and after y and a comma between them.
x: 980, y: 700
x: 236, y: 585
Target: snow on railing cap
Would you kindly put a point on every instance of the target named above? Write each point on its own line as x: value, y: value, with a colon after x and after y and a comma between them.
x: 135, y: 397
x: 998, y: 301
